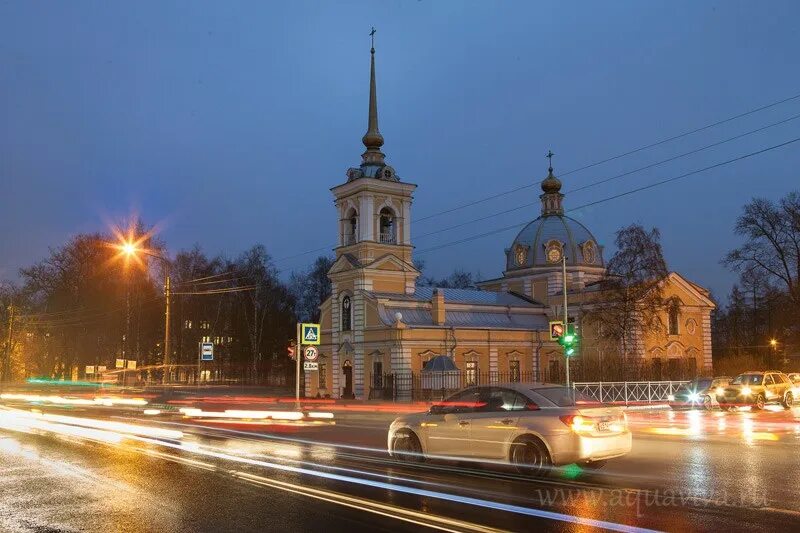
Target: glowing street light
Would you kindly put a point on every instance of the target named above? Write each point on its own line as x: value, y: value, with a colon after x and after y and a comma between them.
x: 128, y: 248
x: 773, y: 342
x: 131, y: 248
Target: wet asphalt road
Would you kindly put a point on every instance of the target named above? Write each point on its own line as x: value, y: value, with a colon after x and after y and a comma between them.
x: 688, y: 471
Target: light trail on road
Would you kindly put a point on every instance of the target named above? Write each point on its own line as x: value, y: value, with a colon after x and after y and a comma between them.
x: 69, y: 426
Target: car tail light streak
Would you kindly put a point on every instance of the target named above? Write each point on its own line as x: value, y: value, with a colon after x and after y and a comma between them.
x: 584, y: 424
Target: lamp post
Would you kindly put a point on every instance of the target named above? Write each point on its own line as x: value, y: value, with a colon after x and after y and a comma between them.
x: 131, y: 249
x: 566, y: 313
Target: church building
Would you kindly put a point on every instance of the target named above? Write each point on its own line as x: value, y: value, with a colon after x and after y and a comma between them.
x: 378, y: 322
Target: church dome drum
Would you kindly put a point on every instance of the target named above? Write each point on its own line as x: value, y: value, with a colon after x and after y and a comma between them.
x: 544, y: 241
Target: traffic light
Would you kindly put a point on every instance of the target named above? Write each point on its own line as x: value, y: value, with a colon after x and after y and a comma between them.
x: 569, y: 341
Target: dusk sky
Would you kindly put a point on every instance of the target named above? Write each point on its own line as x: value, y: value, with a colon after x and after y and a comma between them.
x: 225, y: 121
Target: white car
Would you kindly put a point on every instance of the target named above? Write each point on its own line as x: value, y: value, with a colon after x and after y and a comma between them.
x: 532, y: 426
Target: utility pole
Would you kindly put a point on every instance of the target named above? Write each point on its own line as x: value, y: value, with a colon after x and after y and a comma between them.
x: 167, y: 346
x: 7, y: 357
x: 566, y: 314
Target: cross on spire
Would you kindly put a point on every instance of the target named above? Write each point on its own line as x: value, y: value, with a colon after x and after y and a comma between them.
x: 549, y: 156
x: 372, y: 38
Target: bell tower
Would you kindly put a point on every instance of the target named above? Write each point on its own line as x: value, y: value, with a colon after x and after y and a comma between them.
x: 374, y: 208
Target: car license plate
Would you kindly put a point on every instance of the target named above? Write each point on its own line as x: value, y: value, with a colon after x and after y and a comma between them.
x: 603, y: 426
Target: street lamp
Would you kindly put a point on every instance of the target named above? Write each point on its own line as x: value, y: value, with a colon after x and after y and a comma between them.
x: 130, y: 249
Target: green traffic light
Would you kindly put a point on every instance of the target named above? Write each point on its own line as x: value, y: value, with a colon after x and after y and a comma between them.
x: 568, y: 339
x: 569, y: 351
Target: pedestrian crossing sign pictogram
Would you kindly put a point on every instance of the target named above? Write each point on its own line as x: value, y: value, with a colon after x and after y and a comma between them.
x: 311, y: 334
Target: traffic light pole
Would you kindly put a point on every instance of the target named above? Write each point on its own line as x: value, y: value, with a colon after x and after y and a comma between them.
x: 566, y: 315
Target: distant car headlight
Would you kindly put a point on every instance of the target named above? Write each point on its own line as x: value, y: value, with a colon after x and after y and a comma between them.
x: 671, y: 397
x: 746, y: 391
x: 694, y: 397
x: 720, y: 391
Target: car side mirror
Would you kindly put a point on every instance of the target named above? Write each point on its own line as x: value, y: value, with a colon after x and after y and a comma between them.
x: 436, y: 410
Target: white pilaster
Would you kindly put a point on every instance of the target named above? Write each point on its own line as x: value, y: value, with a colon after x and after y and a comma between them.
x: 358, y: 337
x: 708, y: 359
x: 406, y: 222
x: 336, y: 341
x: 493, y: 364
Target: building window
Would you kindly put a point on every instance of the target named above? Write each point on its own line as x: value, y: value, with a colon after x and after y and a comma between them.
x: 377, y: 374
x: 351, y: 228
x: 187, y: 324
x: 472, y: 373
x: 673, y: 320
x: 388, y: 228
x: 347, y: 314
x: 206, y: 339
x: 513, y: 371
x: 323, y: 376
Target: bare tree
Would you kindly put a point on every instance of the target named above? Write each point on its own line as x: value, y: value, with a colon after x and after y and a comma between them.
x: 311, y: 288
x: 772, y: 246
x: 631, y: 297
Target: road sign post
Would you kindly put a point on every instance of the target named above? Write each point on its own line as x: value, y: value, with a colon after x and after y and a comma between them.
x: 297, y: 368
x: 205, y: 353
x: 309, y: 335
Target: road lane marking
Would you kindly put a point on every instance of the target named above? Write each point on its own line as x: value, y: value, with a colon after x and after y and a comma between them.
x: 408, y: 515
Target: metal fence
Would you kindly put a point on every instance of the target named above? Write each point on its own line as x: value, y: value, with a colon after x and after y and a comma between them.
x: 435, y: 386
x: 629, y: 392
x: 428, y: 386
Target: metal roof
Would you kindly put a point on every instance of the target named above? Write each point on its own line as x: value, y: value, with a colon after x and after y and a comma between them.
x: 417, y: 317
x: 475, y: 296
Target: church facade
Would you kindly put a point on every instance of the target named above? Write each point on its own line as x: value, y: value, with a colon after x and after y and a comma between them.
x: 378, y: 322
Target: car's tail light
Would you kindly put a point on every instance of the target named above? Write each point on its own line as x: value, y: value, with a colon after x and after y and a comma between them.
x: 530, y: 406
x: 578, y: 423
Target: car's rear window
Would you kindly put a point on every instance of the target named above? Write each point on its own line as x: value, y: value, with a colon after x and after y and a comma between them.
x: 565, y: 396
x: 748, y: 379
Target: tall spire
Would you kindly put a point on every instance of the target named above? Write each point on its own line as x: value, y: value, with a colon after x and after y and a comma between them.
x: 551, y: 185
x: 373, y: 139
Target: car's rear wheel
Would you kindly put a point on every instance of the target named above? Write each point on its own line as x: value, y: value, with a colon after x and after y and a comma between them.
x: 707, y: 404
x: 529, y: 456
x: 788, y: 400
x: 758, y: 405
x: 406, y: 446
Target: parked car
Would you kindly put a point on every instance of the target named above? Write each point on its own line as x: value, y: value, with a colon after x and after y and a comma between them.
x: 700, y: 392
x: 757, y: 389
x: 532, y: 426
x: 794, y: 377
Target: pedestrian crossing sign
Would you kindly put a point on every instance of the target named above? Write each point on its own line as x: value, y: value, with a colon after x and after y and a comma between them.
x: 311, y: 334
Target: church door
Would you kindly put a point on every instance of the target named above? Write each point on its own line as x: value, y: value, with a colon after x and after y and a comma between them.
x: 347, y: 369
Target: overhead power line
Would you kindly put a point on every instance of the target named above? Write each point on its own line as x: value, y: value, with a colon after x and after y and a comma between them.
x: 613, y: 197
x: 608, y: 159
x: 612, y: 178
x: 612, y: 158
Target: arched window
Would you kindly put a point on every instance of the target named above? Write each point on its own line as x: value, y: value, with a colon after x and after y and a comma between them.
x: 351, y: 228
x: 388, y: 230
x: 347, y: 314
x: 673, y: 320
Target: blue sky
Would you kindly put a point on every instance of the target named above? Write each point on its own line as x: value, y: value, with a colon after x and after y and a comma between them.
x: 228, y: 122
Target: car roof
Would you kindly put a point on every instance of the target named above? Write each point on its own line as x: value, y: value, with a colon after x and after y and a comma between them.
x: 524, y: 385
